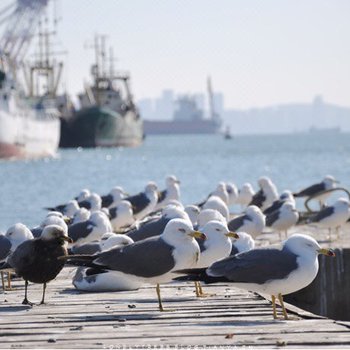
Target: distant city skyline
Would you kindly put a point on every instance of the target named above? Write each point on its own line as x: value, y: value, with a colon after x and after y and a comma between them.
x: 316, y: 115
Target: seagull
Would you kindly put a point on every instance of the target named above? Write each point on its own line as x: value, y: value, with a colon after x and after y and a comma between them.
x: 286, y: 196
x: 67, y: 209
x: 232, y: 193
x: 121, y: 216
x: 155, y: 226
x: 14, y: 236
x: 36, y: 260
x: 267, y: 270
x: 144, y: 202
x: 316, y: 190
x: 217, y: 246
x: 97, y: 280
x: 243, y: 243
x: 82, y: 214
x: 113, y: 197
x: 93, y: 202
x: 283, y: 218
x: 215, y: 202
x: 84, y: 193
x: 207, y: 215
x: 252, y: 222
x: 192, y: 212
x: 107, y: 241
x: 91, y: 229
x: 220, y: 191
x: 151, y: 260
x: 172, y: 191
x: 266, y: 195
x: 245, y: 195
x: 50, y: 220
x: 333, y: 216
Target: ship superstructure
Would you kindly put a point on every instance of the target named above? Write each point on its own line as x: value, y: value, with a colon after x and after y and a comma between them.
x: 187, y: 118
x: 28, y: 127
x: 108, y: 116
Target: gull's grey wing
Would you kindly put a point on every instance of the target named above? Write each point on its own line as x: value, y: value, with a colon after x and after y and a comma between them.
x: 36, y: 231
x: 272, y: 218
x: 5, y: 247
x: 139, y: 202
x: 162, y: 196
x: 107, y: 200
x: 85, y: 204
x: 80, y: 230
x: 149, y: 229
x: 88, y: 248
x: 255, y: 266
x: 237, y: 222
x: 275, y: 205
x: 322, y: 214
x: 148, y: 258
x: 202, y: 244
x: 311, y: 190
x: 258, y: 199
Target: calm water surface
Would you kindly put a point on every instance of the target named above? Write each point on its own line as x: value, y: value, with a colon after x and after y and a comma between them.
x: 200, y: 162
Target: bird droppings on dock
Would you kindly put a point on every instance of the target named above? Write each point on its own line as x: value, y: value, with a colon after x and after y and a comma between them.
x: 232, y: 317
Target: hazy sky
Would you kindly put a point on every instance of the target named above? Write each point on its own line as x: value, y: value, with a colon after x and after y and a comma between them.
x: 258, y: 52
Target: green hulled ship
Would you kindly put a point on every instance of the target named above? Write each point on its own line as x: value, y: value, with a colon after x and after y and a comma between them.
x: 108, y: 116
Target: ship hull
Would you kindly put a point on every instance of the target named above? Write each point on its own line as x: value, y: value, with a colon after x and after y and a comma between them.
x: 152, y: 127
x: 28, y: 136
x: 101, y: 127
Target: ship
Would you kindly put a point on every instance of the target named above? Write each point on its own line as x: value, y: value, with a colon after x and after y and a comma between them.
x: 188, y: 118
x: 108, y: 116
x: 28, y: 128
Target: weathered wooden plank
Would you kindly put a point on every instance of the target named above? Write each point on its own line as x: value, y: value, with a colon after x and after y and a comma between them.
x: 97, y: 320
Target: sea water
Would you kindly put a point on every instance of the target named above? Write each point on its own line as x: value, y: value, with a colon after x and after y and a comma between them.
x: 199, y: 161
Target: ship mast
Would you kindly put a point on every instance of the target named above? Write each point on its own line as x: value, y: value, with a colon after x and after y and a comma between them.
x: 21, y: 18
x: 214, y: 116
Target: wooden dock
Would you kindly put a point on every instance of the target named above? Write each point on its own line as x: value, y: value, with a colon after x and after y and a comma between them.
x: 230, y: 318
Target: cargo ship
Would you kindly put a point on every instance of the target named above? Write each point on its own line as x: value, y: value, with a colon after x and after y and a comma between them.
x: 108, y: 116
x: 187, y: 118
x: 29, y: 128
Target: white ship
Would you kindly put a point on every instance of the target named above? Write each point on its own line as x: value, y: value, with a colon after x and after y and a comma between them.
x: 27, y: 129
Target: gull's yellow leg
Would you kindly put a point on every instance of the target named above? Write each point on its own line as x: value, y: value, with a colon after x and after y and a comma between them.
x: 3, y: 281
x: 273, y: 300
x: 280, y: 298
x: 9, y: 280
x: 159, y: 298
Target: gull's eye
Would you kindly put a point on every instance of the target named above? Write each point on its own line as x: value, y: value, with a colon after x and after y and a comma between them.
x: 10, y: 234
x: 182, y: 230
x: 217, y: 229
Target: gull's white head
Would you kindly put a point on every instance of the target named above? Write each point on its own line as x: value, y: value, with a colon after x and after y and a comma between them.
x: 172, y: 212
x: 55, y: 233
x: 115, y: 240
x: 207, y: 215
x: 305, y: 246
x: 180, y: 230
x: 192, y: 212
x: 216, y: 230
x: 17, y: 234
x: 171, y: 180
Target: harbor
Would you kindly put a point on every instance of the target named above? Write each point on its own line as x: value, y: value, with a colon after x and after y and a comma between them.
x: 174, y: 175
x: 227, y: 317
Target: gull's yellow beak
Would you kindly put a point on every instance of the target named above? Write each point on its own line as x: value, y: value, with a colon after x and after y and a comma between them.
x: 198, y: 234
x: 67, y: 220
x: 68, y: 239
x: 232, y: 235
x: 328, y: 252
